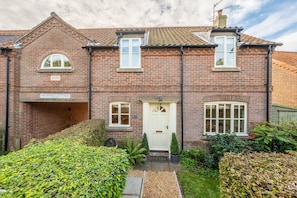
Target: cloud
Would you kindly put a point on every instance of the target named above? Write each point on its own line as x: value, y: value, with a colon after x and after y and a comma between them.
x: 274, y: 23
x: 106, y: 13
x: 289, y: 42
x: 259, y: 17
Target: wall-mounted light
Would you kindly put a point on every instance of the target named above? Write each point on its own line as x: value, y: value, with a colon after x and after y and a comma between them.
x: 160, y: 100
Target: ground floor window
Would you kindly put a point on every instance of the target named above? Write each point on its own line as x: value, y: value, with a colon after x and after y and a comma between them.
x: 119, y: 114
x: 225, y: 117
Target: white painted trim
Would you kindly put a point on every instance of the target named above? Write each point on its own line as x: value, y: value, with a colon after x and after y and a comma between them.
x: 172, y: 117
x: 145, y: 117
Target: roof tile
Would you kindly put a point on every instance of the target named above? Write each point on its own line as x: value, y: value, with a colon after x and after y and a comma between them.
x: 157, y: 36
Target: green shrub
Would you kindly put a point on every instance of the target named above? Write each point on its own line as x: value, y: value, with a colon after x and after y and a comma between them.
x: 258, y: 175
x: 134, y: 149
x: 89, y: 132
x: 63, y: 168
x: 220, y: 144
x: 174, y: 148
x: 193, y: 158
x: 145, y: 144
x: 274, y: 138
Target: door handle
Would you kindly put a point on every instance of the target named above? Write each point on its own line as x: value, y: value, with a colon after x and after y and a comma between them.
x: 158, y: 131
x: 167, y: 127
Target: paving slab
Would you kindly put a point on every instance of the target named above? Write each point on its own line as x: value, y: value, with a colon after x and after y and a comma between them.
x: 133, y: 187
x: 158, y: 166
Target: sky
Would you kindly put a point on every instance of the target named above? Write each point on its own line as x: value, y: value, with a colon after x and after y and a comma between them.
x: 273, y: 20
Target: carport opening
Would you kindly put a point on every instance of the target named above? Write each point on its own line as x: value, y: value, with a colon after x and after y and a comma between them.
x: 46, y: 118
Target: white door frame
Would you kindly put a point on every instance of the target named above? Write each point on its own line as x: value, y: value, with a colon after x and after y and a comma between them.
x: 172, y: 116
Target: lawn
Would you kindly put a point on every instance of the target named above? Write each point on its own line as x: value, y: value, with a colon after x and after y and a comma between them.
x: 194, y: 186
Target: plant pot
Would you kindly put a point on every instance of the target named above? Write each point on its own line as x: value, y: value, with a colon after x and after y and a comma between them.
x: 174, y: 159
x: 147, y: 159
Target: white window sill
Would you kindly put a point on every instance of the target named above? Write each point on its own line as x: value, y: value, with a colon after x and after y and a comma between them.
x: 119, y: 128
x: 51, y: 70
x: 226, y: 69
x: 136, y: 70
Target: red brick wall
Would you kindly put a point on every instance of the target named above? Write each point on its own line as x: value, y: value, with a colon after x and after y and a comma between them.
x: 161, y: 77
x: 284, y: 81
x: 41, y: 119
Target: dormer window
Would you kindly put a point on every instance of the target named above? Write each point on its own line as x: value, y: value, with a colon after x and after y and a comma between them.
x: 56, y: 61
x: 225, y: 52
x: 130, y: 52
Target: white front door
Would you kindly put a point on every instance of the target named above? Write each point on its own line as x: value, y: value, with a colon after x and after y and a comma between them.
x: 158, y: 136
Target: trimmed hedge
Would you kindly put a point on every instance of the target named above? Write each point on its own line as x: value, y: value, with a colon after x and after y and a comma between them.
x: 258, y: 175
x: 89, y: 132
x: 63, y: 168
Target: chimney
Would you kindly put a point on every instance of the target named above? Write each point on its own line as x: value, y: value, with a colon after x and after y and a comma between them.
x: 221, y: 20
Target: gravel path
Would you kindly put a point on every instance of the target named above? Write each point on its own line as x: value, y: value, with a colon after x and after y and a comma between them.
x: 161, y: 184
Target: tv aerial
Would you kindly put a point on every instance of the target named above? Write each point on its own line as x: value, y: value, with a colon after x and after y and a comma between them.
x: 214, y: 10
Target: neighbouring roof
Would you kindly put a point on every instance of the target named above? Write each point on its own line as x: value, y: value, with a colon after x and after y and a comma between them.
x: 156, y: 36
x: 8, y: 37
x: 285, y: 59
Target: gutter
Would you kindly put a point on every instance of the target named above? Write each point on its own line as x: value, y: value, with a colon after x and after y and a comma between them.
x: 182, y: 96
x: 90, y: 50
x: 268, y: 83
x: 3, y: 51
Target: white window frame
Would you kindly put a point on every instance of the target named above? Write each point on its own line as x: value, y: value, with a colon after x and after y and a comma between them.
x: 130, y: 53
x: 225, y: 52
x: 215, y: 119
x: 62, y: 58
x: 119, y: 114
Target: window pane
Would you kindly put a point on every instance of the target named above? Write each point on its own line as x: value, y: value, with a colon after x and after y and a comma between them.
x: 125, y: 60
x: 228, y: 111
x: 221, y: 126
x: 115, y: 119
x: 125, y: 119
x: 230, y: 44
x: 56, y: 60
x: 66, y: 62
x: 221, y: 111
x: 220, y: 42
x: 213, y: 126
x: 235, y: 125
x: 207, y: 126
x: 241, y: 126
x: 235, y: 111
x: 219, y: 58
x: 230, y: 59
x: 47, y: 63
x: 135, y: 46
x: 115, y: 108
x: 125, y: 108
x: 135, y: 60
x: 214, y: 111
x: 207, y: 109
x: 125, y: 46
x: 241, y: 111
x: 228, y: 126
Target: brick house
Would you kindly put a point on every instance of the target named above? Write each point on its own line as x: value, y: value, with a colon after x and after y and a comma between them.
x: 191, y: 81
x: 284, y: 82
